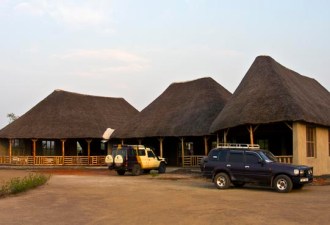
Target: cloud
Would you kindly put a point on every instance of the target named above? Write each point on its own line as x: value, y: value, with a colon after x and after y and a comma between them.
x: 71, y: 13
x: 103, y: 62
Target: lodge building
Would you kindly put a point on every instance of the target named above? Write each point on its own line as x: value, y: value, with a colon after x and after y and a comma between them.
x: 273, y: 106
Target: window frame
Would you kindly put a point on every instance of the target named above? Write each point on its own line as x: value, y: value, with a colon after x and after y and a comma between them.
x: 48, y: 147
x: 310, y: 141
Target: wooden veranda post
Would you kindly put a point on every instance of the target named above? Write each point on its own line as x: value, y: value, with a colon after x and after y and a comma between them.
x: 251, y: 134
x: 10, y: 151
x: 161, y: 146
x: 206, y: 148
x: 34, y: 149
x: 225, y: 133
x: 89, y: 149
x: 182, y: 151
x: 63, y: 149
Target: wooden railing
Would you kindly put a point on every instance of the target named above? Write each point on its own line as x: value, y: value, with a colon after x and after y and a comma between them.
x: 53, y: 160
x: 285, y: 159
x: 192, y: 160
x: 188, y: 161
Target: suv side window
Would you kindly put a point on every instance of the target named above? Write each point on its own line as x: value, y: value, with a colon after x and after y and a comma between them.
x: 151, y: 154
x: 141, y: 152
x: 131, y: 152
x: 218, y: 155
x: 236, y: 157
x: 251, y: 158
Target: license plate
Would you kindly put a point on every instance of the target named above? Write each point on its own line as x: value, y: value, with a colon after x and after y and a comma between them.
x: 303, y: 179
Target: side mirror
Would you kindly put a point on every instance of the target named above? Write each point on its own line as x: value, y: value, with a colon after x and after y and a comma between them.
x: 261, y: 161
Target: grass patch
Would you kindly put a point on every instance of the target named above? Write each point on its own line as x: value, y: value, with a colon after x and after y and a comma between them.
x: 17, y: 185
x: 154, y: 173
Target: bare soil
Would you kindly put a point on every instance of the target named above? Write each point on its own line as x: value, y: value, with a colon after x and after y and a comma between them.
x: 99, y: 196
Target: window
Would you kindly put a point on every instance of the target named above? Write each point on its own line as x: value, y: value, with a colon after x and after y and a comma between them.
x: 15, y: 143
x: 236, y: 157
x: 217, y: 155
x: 310, y: 141
x: 141, y: 152
x: 48, y: 147
x: 251, y: 158
x: 151, y: 154
x: 263, y: 143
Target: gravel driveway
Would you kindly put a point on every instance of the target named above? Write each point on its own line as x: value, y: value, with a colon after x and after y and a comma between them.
x: 102, y: 197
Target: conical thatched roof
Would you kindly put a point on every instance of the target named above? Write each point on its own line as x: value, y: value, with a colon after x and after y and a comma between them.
x: 183, y: 109
x: 70, y: 115
x: 270, y: 92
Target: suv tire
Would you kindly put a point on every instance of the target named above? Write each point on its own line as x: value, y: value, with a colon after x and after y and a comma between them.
x: 222, y: 181
x: 109, y: 160
x: 162, y: 168
x: 136, y: 171
x: 283, y: 184
x: 119, y: 160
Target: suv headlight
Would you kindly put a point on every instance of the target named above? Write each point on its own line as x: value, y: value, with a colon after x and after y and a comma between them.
x: 298, y: 172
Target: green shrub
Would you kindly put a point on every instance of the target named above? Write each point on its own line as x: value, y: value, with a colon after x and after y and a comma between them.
x: 17, y: 185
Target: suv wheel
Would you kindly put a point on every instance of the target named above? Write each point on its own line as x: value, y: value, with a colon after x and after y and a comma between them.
x: 162, y: 168
x: 109, y: 160
x: 136, y: 170
x: 119, y: 160
x: 283, y: 184
x: 222, y: 181
x: 121, y: 172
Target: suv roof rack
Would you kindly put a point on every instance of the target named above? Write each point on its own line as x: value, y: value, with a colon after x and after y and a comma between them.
x: 239, y: 146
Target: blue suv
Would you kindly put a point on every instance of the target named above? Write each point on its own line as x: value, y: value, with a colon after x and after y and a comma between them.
x: 241, y: 164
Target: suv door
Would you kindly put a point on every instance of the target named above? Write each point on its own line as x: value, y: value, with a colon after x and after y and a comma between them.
x: 153, y: 162
x: 142, y: 158
x: 255, y: 169
x: 216, y: 158
x: 235, y: 165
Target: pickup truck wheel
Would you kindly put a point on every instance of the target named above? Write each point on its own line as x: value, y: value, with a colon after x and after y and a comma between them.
x: 136, y: 171
x: 283, y: 184
x: 222, y: 181
x: 121, y: 172
x: 162, y: 168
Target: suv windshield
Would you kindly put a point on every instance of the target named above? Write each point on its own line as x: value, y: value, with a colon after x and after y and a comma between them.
x: 268, y: 156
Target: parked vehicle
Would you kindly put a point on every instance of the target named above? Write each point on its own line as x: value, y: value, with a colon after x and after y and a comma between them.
x: 135, y: 159
x: 239, y: 164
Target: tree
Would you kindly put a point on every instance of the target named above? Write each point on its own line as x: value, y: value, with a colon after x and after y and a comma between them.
x: 12, y: 117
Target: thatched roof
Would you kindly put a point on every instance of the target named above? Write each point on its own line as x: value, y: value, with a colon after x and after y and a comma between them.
x: 70, y: 115
x: 270, y: 92
x: 183, y: 109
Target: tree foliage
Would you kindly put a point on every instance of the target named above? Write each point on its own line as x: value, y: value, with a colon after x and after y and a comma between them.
x: 12, y: 117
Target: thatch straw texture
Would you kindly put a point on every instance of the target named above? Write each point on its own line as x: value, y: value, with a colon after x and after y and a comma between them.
x: 269, y: 93
x: 183, y: 109
x: 70, y: 115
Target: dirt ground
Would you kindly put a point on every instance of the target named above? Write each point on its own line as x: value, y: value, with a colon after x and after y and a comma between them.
x: 98, y: 196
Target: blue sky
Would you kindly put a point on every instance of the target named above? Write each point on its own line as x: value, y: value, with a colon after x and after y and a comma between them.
x: 136, y: 48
